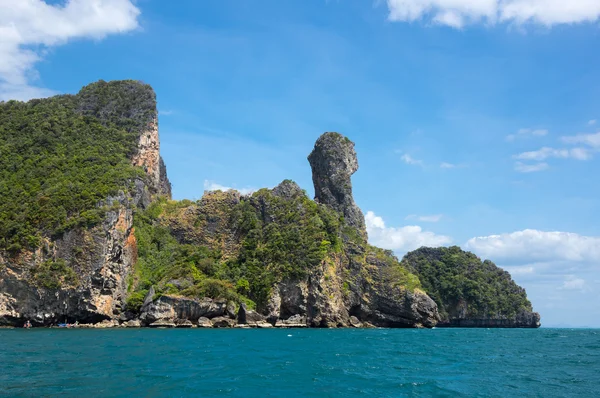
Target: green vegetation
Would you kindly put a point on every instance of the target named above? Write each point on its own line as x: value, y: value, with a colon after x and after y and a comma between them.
x: 172, y: 267
x: 61, y: 156
x: 54, y: 275
x: 453, y: 277
x: 395, y: 273
x: 298, y: 235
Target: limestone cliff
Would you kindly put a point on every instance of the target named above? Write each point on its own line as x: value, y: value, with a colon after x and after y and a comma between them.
x: 301, y: 263
x: 88, y: 232
x: 333, y: 161
x: 81, y: 273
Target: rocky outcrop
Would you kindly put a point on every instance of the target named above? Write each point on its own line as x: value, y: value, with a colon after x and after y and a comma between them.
x: 148, y: 157
x: 332, y: 295
x: 97, y: 260
x: 101, y: 258
x: 333, y: 161
x: 172, y: 309
x: 246, y: 316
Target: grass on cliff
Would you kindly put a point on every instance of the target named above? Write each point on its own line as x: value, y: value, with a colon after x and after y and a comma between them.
x: 451, y: 276
x: 61, y: 156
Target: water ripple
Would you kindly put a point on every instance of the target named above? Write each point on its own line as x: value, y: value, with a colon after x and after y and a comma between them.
x: 323, y: 363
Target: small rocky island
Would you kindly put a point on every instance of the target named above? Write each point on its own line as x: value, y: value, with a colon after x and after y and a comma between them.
x: 89, y: 234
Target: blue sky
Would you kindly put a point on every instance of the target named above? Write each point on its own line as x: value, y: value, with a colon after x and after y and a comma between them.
x: 476, y: 122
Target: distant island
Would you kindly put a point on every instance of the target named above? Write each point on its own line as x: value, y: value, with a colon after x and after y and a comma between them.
x: 89, y: 234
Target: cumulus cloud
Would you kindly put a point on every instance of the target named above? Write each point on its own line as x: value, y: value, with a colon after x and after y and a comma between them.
x: 213, y: 186
x: 402, y: 239
x: 527, y: 133
x: 431, y: 218
x: 28, y: 28
x: 406, y: 158
x: 531, y: 245
x: 458, y: 13
x: 530, y: 168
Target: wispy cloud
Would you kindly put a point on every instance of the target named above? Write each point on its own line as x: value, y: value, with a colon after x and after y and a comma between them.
x: 573, y: 283
x: 592, y: 140
x: 406, y: 158
x: 592, y: 122
x: 530, y: 168
x: 431, y: 218
x: 459, y: 13
x: 166, y: 112
x: 446, y: 165
x: 29, y: 28
x: 520, y: 270
x: 527, y: 133
x: 547, y: 152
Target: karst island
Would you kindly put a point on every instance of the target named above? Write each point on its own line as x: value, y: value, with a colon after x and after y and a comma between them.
x: 89, y: 235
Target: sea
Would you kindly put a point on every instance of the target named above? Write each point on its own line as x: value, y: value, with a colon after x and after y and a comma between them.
x: 300, y: 363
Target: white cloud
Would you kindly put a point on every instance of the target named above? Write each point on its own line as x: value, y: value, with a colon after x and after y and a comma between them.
x: 166, y: 112
x: 213, y: 186
x: 406, y: 158
x: 527, y: 133
x: 401, y: 239
x: 458, y: 13
x: 28, y: 28
x: 431, y: 218
x: 547, y: 152
x: 531, y: 245
x: 520, y: 270
x: 592, y: 122
x: 592, y: 140
x: 530, y: 168
x: 573, y: 283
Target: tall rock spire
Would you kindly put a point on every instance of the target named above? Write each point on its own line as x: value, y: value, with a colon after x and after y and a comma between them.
x: 333, y: 161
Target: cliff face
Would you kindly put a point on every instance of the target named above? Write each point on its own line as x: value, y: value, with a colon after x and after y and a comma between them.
x: 470, y: 292
x: 88, y: 232
x: 148, y: 158
x: 81, y: 273
x: 300, y: 263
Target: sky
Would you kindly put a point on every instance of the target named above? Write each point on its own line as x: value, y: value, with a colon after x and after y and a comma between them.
x: 476, y: 122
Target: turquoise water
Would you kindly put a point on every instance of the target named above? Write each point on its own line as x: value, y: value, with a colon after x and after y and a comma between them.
x: 300, y: 363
